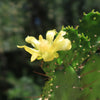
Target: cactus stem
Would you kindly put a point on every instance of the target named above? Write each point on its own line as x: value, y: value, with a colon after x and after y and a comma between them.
x: 86, y: 86
x: 88, y: 73
x: 74, y: 87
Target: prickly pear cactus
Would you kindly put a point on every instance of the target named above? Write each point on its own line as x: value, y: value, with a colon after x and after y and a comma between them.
x: 75, y: 75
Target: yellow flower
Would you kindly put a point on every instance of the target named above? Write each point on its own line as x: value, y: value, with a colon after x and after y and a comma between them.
x: 46, y: 49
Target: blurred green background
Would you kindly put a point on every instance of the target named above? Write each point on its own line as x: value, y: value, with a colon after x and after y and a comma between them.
x: 20, y: 79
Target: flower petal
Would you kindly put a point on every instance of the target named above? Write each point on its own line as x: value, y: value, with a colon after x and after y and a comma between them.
x: 50, y: 35
x: 34, y: 56
x: 40, y: 38
x: 39, y: 58
x: 60, y: 43
x: 33, y: 52
x: 46, y: 49
x: 49, y: 56
x: 65, y: 44
x: 33, y: 41
x: 60, y: 35
x: 28, y: 49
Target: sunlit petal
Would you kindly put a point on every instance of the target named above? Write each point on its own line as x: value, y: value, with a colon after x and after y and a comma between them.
x: 62, y: 44
x: 48, y: 57
x: 60, y: 35
x: 34, y: 56
x: 50, y: 35
x: 28, y: 49
x: 56, y: 55
x: 33, y: 41
x: 39, y: 58
x: 68, y: 45
x: 40, y: 38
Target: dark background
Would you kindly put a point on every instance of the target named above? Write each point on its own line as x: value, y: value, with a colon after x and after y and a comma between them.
x: 19, y: 78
